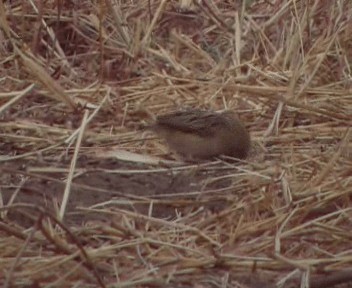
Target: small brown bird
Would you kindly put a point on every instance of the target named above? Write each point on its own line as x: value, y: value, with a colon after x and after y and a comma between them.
x: 203, y: 134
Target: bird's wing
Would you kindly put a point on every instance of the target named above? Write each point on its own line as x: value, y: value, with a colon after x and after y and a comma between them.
x: 198, y: 122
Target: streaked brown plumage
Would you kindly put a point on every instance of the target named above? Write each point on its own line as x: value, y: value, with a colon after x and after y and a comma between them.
x: 203, y: 134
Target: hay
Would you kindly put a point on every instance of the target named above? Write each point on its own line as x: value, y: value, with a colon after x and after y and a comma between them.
x: 80, y: 80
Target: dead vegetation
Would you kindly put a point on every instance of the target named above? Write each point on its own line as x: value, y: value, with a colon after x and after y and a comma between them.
x: 89, y: 199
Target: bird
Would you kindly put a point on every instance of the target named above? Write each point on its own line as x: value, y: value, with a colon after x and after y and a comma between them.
x: 203, y: 134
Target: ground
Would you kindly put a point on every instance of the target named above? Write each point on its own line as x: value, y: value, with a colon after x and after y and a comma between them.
x: 90, y: 198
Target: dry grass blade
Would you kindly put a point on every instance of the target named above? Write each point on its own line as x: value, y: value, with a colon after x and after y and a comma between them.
x: 72, y: 166
x: 130, y: 211
x: 39, y: 73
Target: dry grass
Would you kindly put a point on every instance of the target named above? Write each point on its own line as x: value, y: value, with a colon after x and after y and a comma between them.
x: 80, y: 78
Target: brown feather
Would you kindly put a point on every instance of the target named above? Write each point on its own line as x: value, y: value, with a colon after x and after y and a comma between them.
x: 204, y: 134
